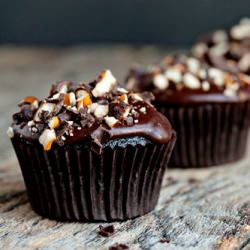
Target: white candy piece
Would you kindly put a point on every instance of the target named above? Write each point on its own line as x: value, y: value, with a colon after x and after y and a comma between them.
x: 173, y: 75
x: 161, y: 82
x: 219, y: 49
x: 199, y: 49
x: 190, y: 81
x: 110, y: 121
x: 105, y: 85
x: 10, y: 132
x: 205, y: 85
x: 47, y: 136
x: 229, y: 92
x: 44, y: 107
x: 219, y: 36
x: 193, y: 65
x: 244, y: 63
x: 240, y: 31
x: 101, y: 111
x: 217, y: 75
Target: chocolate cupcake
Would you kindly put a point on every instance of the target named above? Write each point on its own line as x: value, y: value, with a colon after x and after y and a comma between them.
x: 227, y: 50
x: 209, y: 108
x: 92, y: 152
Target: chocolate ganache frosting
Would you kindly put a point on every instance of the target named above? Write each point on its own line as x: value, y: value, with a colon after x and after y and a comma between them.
x: 187, y: 80
x: 227, y: 50
x: 98, y: 112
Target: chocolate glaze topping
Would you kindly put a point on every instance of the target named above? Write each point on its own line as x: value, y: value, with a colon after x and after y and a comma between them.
x: 227, y: 50
x: 182, y: 79
x: 94, y: 112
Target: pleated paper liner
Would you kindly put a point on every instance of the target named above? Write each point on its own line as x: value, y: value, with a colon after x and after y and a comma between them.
x: 209, y: 134
x: 72, y: 183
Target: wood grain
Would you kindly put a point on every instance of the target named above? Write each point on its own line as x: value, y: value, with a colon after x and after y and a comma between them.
x: 198, y: 209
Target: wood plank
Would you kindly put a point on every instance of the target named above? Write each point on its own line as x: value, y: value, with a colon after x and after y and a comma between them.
x: 198, y: 209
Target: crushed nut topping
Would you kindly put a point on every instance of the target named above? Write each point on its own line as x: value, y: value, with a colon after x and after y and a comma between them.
x: 177, y: 73
x: 10, y: 132
x: 227, y: 49
x: 73, y: 108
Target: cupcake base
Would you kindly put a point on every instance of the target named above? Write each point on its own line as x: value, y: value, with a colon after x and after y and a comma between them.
x: 72, y: 183
x: 208, y: 134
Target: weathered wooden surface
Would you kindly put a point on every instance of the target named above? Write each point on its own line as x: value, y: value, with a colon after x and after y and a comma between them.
x: 198, y: 209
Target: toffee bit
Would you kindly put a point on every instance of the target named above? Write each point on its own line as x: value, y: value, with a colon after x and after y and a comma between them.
x: 192, y: 180
x: 106, y: 231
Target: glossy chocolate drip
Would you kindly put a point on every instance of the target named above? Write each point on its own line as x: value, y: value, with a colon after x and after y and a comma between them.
x: 151, y: 125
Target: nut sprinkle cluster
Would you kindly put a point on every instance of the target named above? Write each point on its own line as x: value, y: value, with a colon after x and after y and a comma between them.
x: 75, y: 107
x: 228, y: 50
x: 182, y: 72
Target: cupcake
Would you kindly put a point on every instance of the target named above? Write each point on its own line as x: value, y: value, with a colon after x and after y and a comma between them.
x: 209, y: 108
x: 91, y: 152
x: 227, y: 50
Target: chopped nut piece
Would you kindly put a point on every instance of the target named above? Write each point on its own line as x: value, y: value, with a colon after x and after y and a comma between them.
x: 244, y: 63
x: 244, y: 78
x: 80, y: 94
x: 34, y: 105
x: 193, y: 65
x: 217, y: 75
x: 199, y: 49
x: 136, y: 97
x: 30, y: 123
x: 142, y: 110
x: 69, y: 99
x: 173, y: 75
x: 126, y: 112
x: 205, y: 85
x: 124, y: 98
x: 229, y: 92
x: 10, y: 132
x: 29, y: 99
x: 219, y: 36
x: 111, y: 121
x: 160, y: 81
x: 122, y: 90
x: 190, y: 81
x: 85, y: 102
x: 106, y: 83
x: 47, y: 138
x: 93, y: 107
x: 54, y: 122
x: 101, y: 111
x: 49, y: 107
x: 64, y: 88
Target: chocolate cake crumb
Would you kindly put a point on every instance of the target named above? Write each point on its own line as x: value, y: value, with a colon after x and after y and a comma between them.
x: 192, y: 180
x: 106, y: 231
x: 165, y: 240
x: 119, y: 247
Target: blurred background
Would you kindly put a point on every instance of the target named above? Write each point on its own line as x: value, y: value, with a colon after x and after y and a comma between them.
x: 43, y: 41
x: 165, y: 22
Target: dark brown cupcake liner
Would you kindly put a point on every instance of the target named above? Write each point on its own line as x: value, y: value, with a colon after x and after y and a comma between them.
x: 208, y: 134
x: 72, y: 183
